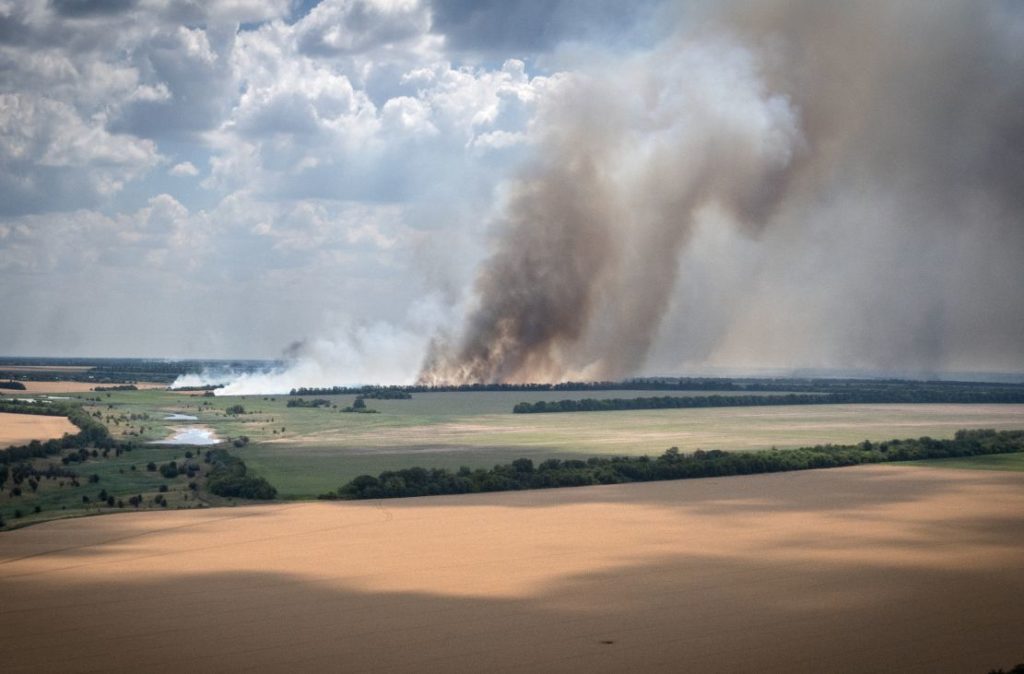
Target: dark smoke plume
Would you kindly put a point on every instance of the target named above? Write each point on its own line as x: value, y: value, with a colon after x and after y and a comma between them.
x: 874, y: 151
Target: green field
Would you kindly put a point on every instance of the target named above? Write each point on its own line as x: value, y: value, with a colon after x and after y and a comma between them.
x: 306, y: 451
x: 59, y: 498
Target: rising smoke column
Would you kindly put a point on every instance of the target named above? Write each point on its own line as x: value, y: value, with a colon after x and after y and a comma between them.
x: 902, y: 121
x: 588, y: 253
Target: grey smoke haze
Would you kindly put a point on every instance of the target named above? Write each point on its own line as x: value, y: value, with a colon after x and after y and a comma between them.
x: 793, y: 182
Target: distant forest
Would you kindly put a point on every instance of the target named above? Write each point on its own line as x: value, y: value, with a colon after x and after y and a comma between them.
x: 121, y: 370
x: 901, y: 394
x: 719, y: 385
x: 672, y: 465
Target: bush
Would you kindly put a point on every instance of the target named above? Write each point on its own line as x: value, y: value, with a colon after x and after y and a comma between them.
x: 229, y: 477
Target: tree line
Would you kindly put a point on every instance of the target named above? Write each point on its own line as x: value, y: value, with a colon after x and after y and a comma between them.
x: 726, y: 385
x: 672, y: 465
x: 374, y: 392
x: 302, y: 402
x: 229, y: 477
x: 865, y: 396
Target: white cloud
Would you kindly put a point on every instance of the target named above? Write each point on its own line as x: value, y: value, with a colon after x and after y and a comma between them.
x: 185, y: 168
x: 328, y: 149
x: 354, y: 26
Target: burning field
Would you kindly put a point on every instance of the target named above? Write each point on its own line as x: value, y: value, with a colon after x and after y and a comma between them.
x: 861, y: 569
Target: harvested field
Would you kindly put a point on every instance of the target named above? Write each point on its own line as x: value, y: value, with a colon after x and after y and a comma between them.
x: 873, y: 568
x: 70, y: 387
x: 19, y: 429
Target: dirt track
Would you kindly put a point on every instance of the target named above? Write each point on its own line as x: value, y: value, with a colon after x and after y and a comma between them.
x: 879, y: 568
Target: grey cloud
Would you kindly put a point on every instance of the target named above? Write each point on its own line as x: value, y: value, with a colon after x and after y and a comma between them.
x: 527, y: 26
x: 342, y: 27
x: 79, y: 8
x: 198, y: 80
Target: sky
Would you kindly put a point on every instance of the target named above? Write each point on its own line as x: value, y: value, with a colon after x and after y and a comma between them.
x: 338, y: 181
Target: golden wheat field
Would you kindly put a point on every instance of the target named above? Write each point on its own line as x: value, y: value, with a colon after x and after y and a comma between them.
x: 19, y: 429
x: 872, y: 568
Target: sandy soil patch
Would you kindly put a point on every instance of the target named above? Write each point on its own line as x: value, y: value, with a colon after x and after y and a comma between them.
x: 874, y: 568
x: 20, y: 429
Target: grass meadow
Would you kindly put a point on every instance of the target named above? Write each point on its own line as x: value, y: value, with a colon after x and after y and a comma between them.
x: 307, y: 451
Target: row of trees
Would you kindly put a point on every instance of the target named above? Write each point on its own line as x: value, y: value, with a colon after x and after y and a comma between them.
x: 316, y: 402
x: 672, y: 465
x: 375, y: 392
x: 781, y: 385
x: 901, y: 395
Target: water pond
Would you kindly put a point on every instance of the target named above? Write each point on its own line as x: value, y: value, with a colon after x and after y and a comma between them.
x: 190, y: 436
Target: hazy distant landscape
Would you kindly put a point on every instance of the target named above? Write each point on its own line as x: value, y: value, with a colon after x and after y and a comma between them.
x: 310, y: 443
x: 512, y: 336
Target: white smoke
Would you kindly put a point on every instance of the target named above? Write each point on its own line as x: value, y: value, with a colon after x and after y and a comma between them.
x: 377, y: 353
x: 208, y: 377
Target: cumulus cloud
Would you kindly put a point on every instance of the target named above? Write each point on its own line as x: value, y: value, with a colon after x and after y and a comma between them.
x: 345, y: 27
x: 331, y: 163
x: 185, y: 168
x: 51, y: 158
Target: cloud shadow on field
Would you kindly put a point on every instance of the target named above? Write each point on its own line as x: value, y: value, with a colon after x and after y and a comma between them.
x: 672, y: 614
x: 117, y: 530
x: 845, y: 570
